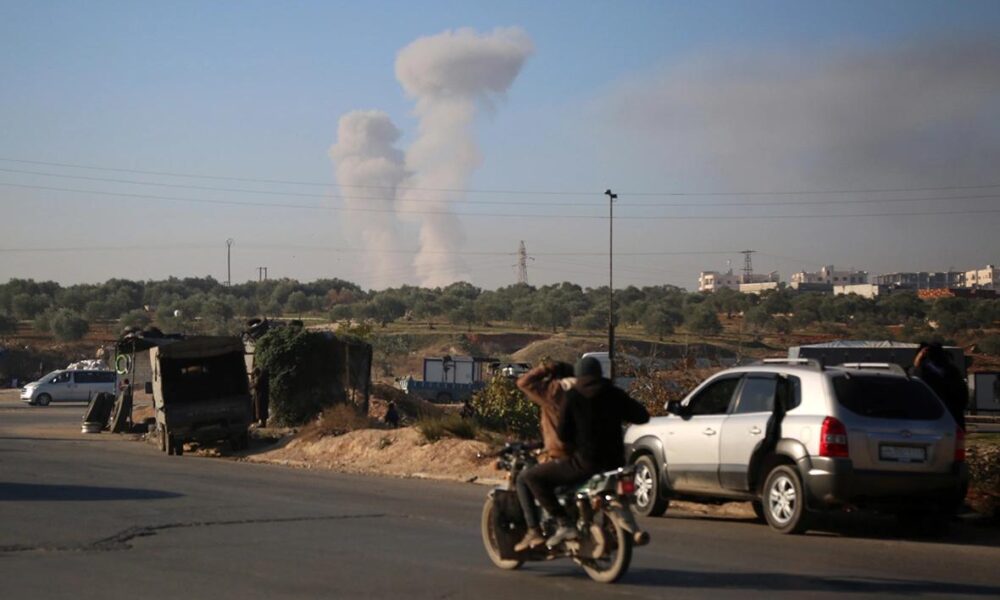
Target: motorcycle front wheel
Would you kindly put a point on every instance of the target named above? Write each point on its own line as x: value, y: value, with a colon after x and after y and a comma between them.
x: 490, y: 539
x: 618, y: 555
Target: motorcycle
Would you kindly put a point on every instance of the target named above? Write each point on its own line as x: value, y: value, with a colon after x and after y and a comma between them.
x: 606, y: 527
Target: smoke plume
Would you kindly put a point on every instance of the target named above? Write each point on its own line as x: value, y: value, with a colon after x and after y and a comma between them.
x: 452, y: 77
x: 369, y: 168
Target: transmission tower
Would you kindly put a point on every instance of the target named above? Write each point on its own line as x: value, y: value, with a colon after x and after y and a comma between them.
x: 522, y: 264
x: 747, y: 266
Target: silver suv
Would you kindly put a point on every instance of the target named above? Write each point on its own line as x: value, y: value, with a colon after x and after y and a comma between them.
x: 794, y: 437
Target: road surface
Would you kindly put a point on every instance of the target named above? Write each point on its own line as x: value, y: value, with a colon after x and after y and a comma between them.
x: 101, y: 517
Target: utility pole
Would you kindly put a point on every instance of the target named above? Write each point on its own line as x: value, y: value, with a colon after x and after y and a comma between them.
x: 522, y: 264
x: 747, y: 266
x: 229, y: 267
x: 611, y: 282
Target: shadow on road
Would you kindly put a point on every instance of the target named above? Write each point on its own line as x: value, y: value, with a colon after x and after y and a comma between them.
x: 873, y: 526
x: 786, y: 582
x: 13, y: 492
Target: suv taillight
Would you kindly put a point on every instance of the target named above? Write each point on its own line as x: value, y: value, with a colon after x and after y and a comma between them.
x: 833, y: 439
x: 959, y: 445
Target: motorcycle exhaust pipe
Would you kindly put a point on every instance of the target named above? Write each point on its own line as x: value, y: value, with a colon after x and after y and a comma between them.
x: 641, y: 538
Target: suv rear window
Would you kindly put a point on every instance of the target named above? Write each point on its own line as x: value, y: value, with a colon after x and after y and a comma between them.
x: 887, y: 397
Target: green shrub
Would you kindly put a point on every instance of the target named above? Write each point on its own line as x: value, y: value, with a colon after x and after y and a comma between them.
x: 68, y: 326
x: 305, y: 376
x: 990, y: 345
x: 500, y: 406
x: 435, y: 428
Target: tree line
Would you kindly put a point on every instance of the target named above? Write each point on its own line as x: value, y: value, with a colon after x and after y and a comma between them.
x: 208, y: 306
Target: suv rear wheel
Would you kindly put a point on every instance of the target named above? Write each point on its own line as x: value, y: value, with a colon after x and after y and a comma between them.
x: 649, y: 500
x: 783, y: 501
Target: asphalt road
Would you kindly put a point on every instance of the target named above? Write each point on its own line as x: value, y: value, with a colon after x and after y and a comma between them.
x: 101, y: 517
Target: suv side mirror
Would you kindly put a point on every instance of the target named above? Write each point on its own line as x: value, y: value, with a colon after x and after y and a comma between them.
x: 149, y: 387
x: 674, y: 407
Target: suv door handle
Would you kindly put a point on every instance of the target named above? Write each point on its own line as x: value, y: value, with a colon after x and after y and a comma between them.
x: 755, y: 430
x: 709, y: 431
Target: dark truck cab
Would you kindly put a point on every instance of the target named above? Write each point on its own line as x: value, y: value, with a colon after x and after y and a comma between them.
x: 201, y: 392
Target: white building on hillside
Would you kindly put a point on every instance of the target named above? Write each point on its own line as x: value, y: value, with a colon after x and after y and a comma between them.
x: 711, y: 281
x: 865, y: 290
x: 828, y: 276
x: 987, y: 278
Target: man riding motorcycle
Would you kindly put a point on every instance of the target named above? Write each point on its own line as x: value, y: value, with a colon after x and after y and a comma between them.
x: 545, y: 385
x: 591, y: 424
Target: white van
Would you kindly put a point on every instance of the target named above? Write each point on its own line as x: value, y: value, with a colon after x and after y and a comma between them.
x: 69, y: 386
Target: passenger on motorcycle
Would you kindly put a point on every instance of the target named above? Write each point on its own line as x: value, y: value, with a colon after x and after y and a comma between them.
x: 545, y: 385
x: 591, y: 424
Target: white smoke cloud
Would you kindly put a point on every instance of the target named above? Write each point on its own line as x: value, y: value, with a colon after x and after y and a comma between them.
x: 368, y: 165
x: 452, y: 76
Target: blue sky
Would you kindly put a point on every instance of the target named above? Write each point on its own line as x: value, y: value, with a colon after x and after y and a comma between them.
x: 254, y: 90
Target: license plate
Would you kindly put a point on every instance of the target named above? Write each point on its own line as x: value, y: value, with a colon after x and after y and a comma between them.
x: 902, y: 453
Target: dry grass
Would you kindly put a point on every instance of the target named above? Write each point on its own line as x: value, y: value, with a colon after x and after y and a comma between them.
x: 452, y: 425
x: 336, y: 420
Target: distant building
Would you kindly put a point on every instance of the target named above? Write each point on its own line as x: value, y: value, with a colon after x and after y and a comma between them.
x: 828, y: 276
x: 922, y: 280
x: 987, y: 278
x: 711, y: 281
x: 757, y: 288
x: 865, y: 290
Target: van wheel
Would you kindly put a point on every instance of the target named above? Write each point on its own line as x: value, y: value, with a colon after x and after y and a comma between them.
x: 43, y: 399
x: 162, y: 430
x: 649, y: 501
x: 784, y: 501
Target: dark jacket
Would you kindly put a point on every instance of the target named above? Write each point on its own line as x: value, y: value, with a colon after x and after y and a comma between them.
x: 946, y: 380
x: 591, y: 423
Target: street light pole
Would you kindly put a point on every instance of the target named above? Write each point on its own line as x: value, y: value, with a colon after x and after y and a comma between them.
x: 229, y: 269
x: 611, y: 283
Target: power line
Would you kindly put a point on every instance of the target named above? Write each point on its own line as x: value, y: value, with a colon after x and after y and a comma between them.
x: 511, y: 191
x: 328, y: 196
x: 343, y: 250
x: 504, y: 215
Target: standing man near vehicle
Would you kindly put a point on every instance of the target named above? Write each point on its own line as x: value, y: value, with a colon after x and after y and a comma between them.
x: 261, y: 383
x: 591, y: 424
x: 545, y: 385
x: 935, y: 368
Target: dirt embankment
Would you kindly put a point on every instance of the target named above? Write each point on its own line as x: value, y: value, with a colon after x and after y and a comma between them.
x: 398, y: 452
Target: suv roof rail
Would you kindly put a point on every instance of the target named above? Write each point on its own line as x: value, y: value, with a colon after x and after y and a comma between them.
x: 876, y: 366
x: 806, y: 362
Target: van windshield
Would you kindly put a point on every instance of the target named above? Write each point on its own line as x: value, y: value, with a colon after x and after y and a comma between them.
x: 881, y: 397
x: 47, y: 377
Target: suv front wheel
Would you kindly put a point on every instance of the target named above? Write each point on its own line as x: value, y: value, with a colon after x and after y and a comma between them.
x: 649, y: 501
x: 784, y: 501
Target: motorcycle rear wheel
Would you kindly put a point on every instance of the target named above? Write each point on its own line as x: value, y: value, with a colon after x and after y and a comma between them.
x: 490, y: 540
x: 610, y: 567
